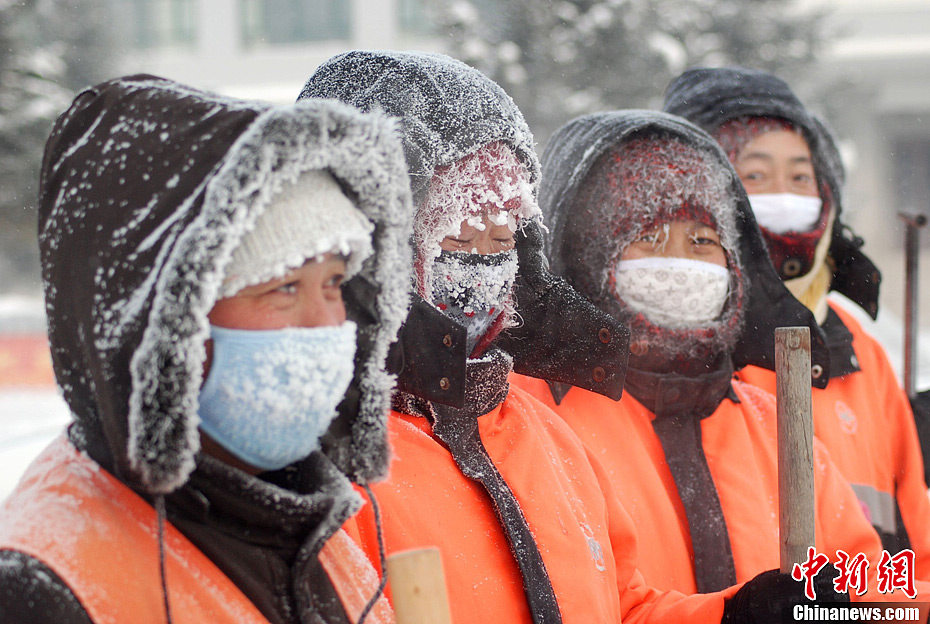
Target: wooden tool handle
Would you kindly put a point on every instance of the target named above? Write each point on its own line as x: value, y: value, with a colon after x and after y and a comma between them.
x: 418, y: 587
x: 795, y: 444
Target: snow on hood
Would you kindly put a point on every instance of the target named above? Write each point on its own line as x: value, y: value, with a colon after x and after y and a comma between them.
x: 709, y: 97
x: 448, y: 111
x: 446, y: 108
x: 570, y: 155
x: 147, y: 187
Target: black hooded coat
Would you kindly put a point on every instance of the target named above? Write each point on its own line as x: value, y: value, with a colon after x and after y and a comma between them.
x: 448, y: 110
x: 147, y: 187
x: 570, y: 155
x: 711, y: 97
x: 679, y: 392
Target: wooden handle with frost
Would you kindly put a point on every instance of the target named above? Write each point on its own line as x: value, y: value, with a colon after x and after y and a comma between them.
x: 418, y: 587
x: 795, y: 444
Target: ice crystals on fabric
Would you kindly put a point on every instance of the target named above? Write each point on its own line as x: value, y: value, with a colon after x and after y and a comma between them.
x: 271, y: 394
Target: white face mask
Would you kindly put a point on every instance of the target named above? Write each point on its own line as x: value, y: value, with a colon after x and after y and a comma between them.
x: 673, y: 292
x: 781, y: 213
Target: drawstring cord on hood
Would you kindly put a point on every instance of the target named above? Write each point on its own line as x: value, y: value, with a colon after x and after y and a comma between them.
x: 381, y: 555
x: 160, y: 510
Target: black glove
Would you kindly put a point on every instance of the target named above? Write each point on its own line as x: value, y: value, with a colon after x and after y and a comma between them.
x: 770, y: 598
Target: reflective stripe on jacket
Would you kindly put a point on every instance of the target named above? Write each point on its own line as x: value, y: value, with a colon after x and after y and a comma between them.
x: 739, y: 441
x: 865, y: 421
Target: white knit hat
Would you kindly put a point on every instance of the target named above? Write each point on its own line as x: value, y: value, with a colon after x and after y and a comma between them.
x: 305, y: 220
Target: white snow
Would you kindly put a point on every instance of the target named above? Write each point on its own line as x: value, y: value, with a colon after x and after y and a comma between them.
x: 29, y: 419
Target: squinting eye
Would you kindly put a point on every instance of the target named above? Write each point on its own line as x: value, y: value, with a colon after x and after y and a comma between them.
x: 649, y: 237
x: 287, y: 289
x: 704, y: 240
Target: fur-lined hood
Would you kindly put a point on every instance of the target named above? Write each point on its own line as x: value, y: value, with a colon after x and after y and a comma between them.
x: 572, y: 152
x: 709, y: 97
x: 147, y: 187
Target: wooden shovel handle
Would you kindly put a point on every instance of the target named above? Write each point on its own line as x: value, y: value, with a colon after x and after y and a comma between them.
x: 795, y: 444
x: 418, y: 587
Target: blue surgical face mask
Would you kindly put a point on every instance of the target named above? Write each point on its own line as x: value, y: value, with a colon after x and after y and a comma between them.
x: 270, y: 395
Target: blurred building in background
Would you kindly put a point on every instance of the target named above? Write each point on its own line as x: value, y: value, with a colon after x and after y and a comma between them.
x: 262, y: 49
x: 883, y: 53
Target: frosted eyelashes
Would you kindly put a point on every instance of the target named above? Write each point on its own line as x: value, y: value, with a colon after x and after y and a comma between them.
x: 781, y: 213
x: 673, y: 292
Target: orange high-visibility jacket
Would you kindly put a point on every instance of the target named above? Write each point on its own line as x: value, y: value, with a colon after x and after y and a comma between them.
x: 584, y: 536
x: 865, y: 421
x: 740, y: 443
x: 101, y: 539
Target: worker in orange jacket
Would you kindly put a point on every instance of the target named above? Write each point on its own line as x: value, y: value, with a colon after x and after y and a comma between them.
x: 194, y: 249
x: 648, y: 220
x: 788, y: 163
x: 526, y: 521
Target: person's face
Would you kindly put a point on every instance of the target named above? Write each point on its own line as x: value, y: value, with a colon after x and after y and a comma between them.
x: 688, y: 239
x: 777, y: 162
x: 492, y: 239
x: 308, y: 296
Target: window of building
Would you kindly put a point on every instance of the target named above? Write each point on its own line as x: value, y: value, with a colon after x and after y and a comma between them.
x: 413, y: 17
x: 294, y: 21
x: 160, y: 23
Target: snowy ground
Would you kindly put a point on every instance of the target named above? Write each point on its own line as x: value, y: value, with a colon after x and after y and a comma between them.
x: 31, y: 417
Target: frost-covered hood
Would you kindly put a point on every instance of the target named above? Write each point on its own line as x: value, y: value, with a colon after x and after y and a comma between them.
x: 570, y: 155
x: 448, y: 110
x: 147, y: 187
x: 709, y: 97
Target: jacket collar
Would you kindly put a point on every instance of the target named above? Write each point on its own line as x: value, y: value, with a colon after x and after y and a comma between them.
x: 843, y: 359
x: 670, y: 394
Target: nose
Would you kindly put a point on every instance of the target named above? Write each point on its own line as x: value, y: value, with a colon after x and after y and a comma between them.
x: 676, y: 247
x: 780, y: 185
x: 320, y: 308
x: 482, y: 243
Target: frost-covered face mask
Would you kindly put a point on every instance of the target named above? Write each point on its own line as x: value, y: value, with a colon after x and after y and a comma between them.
x: 271, y: 394
x: 473, y: 289
x: 781, y: 213
x: 673, y: 292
